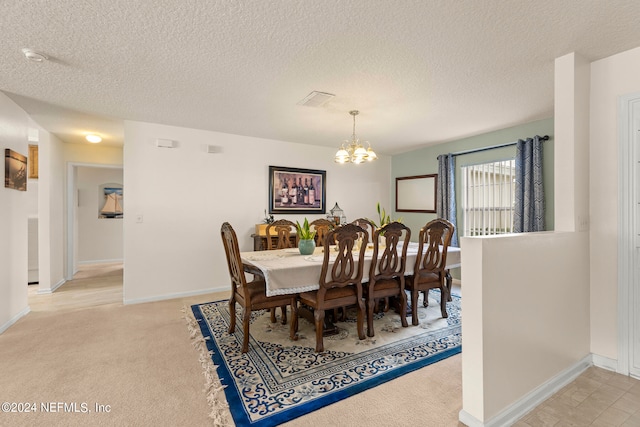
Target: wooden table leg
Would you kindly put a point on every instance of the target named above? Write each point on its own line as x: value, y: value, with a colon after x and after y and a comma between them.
x: 329, y: 327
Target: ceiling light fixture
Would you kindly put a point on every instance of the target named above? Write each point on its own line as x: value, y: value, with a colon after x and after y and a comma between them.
x: 34, y: 56
x: 354, y: 152
x: 94, y: 139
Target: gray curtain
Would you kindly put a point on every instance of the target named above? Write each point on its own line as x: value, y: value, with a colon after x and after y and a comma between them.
x: 529, y: 203
x: 446, y: 193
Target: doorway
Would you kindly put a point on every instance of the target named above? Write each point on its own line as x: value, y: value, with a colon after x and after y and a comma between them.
x: 92, y: 238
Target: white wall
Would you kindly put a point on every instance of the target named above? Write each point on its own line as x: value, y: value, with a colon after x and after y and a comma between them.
x: 50, y: 212
x: 526, y: 315
x: 185, y: 194
x: 610, y: 78
x: 99, y: 239
x: 571, y: 92
x: 94, y: 154
x: 14, y: 207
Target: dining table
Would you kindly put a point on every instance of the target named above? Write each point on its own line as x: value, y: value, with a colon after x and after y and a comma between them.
x: 286, y: 271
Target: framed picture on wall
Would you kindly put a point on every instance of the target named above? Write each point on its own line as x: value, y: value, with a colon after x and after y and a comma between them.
x: 416, y: 193
x: 15, y: 170
x: 112, y: 202
x: 33, y: 161
x: 296, y: 191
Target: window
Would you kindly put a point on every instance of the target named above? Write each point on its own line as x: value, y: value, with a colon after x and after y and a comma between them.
x: 488, y: 195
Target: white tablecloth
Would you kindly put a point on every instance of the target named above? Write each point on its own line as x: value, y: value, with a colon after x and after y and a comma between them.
x: 288, y: 272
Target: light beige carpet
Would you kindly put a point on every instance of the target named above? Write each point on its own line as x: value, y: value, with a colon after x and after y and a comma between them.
x: 136, y: 359
x: 139, y: 360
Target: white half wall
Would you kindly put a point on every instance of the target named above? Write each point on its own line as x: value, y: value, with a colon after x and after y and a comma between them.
x: 183, y: 195
x: 526, y: 316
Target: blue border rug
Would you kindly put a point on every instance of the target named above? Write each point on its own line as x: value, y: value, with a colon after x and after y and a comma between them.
x: 279, y: 380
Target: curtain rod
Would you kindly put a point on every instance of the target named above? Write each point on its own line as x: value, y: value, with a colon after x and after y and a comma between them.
x: 458, y: 153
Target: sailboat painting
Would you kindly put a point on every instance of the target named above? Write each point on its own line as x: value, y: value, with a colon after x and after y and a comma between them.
x: 15, y: 170
x: 112, y: 203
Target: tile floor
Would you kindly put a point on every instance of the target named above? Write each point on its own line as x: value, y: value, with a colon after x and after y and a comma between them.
x: 596, y: 398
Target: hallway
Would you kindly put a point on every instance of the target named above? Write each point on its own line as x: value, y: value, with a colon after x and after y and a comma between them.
x: 93, y: 285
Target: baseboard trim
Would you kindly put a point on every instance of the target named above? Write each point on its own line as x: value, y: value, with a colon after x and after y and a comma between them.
x: 52, y: 290
x: 605, y: 363
x: 101, y: 261
x: 174, y: 296
x: 15, y: 318
x: 535, y: 397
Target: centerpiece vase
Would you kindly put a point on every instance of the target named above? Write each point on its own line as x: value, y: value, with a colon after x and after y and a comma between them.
x: 306, y: 247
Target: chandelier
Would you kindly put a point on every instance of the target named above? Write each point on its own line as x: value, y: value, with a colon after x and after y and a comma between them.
x: 352, y: 151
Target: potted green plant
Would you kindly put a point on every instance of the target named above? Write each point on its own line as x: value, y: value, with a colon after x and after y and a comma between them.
x: 306, y: 242
x: 384, y: 218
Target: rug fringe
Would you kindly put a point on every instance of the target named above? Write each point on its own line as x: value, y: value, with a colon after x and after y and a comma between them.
x: 213, y: 388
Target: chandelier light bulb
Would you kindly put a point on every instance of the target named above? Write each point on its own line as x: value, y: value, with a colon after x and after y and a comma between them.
x: 371, y: 155
x: 351, y: 151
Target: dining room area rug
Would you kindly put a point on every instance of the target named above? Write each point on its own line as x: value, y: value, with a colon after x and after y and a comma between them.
x: 279, y: 379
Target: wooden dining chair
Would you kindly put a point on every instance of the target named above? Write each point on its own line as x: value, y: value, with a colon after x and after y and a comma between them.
x: 368, y: 225
x: 250, y: 295
x: 322, y: 227
x: 430, y: 268
x: 340, y: 280
x: 386, y: 275
x: 281, y: 230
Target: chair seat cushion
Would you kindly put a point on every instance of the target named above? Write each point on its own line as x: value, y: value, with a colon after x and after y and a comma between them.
x: 384, y: 284
x: 423, y: 279
x: 257, y: 295
x: 332, y: 294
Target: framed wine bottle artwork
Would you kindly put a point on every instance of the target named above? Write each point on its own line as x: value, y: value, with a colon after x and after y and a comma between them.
x: 296, y: 191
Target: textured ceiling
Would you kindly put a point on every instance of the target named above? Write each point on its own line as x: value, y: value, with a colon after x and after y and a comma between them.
x: 420, y: 72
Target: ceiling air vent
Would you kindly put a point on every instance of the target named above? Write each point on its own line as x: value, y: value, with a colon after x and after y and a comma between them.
x: 316, y: 99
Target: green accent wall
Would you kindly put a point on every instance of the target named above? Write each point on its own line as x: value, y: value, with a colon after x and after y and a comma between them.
x: 424, y: 161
